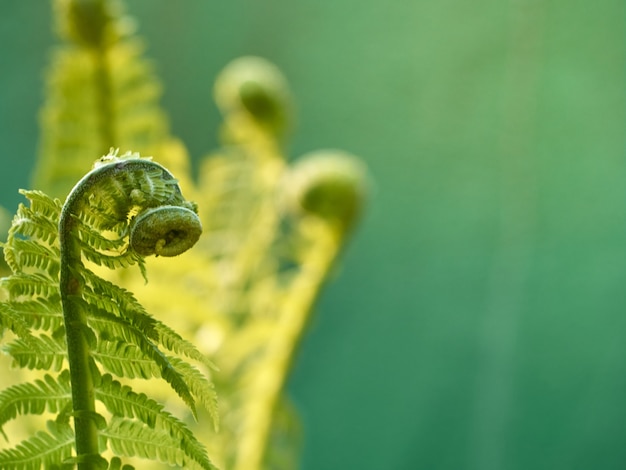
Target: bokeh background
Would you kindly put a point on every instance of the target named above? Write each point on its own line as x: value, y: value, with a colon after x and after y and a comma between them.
x: 478, y: 319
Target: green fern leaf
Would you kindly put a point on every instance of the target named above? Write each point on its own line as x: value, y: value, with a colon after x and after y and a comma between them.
x: 13, y: 320
x: 173, y: 342
x: 39, y: 352
x: 125, y: 360
x: 135, y: 439
x: 122, y: 260
x: 41, y: 203
x: 103, y: 222
x: 40, y: 220
x: 28, y: 286
x: 131, y: 360
x: 109, y: 297
x: 38, y: 314
x: 199, y: 385
x: 43, y: 450
x: 29, y: 255
x: 95, y: 239
x: 131, y: 336
x: 113, y: 327
x: 35, y: 398
x: 121, y: 401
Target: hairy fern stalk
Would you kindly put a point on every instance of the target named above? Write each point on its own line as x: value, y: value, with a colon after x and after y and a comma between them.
x: 91, y: 335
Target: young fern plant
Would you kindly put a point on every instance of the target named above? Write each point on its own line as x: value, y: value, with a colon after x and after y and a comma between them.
x: 91, y: 335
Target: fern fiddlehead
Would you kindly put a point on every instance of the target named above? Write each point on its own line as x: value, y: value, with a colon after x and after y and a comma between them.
x: 165, y: 231
x: 64, y: 315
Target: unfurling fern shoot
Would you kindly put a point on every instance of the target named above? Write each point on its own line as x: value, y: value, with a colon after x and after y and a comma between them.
x: 66, y: 317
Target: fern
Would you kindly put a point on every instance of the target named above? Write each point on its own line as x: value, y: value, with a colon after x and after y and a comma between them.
x: 44, y: 449
x: 50, y: 394
x: 134, y: 438
x: 273, y: 230
x: 42, y: 352
x: 63, y: 315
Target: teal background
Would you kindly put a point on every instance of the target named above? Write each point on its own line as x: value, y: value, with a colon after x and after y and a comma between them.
x: 478, y: 319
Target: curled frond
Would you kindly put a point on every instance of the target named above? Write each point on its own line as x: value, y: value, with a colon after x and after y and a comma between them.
x: 328, y: 184
x: 256, y: 87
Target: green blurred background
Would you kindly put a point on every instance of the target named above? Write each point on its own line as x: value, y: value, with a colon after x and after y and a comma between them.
x: 478, y: 320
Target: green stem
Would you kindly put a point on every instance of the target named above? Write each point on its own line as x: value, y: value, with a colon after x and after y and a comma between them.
x: 294, y: 312
x: 78, y: 350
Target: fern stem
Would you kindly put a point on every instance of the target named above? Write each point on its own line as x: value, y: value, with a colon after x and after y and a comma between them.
x: 83, y: 397
x: 294, y: 313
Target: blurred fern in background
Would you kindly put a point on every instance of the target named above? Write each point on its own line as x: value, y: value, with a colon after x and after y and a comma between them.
x: 272, y: 230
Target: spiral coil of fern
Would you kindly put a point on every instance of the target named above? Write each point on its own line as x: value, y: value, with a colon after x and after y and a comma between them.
x: 165, y: 231
x: 134, y: 199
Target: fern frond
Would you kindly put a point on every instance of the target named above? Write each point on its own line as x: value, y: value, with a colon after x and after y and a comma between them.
x: 35, y: 398
x: 175, y: 343
x: 125, y: 360
x: 112, y: 298
x: 29, y: 224
x: 101, y: 221
x: 127, y: 355
x: 38, y: 352
x: 32, y: 255
x: 129, y: 327
x: 71, y: 118
x: 99, y: 241
x: 121, y: 302
x: 117, y: 261
x: 43, y: 204
x: 122, y: 401
x: 43, y: 450
x: 12, y: 320
x: 39, y: 221
x: 38, y: 313
x: 199, y: 385
x: 135, y: 439
x: 27, y: 286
